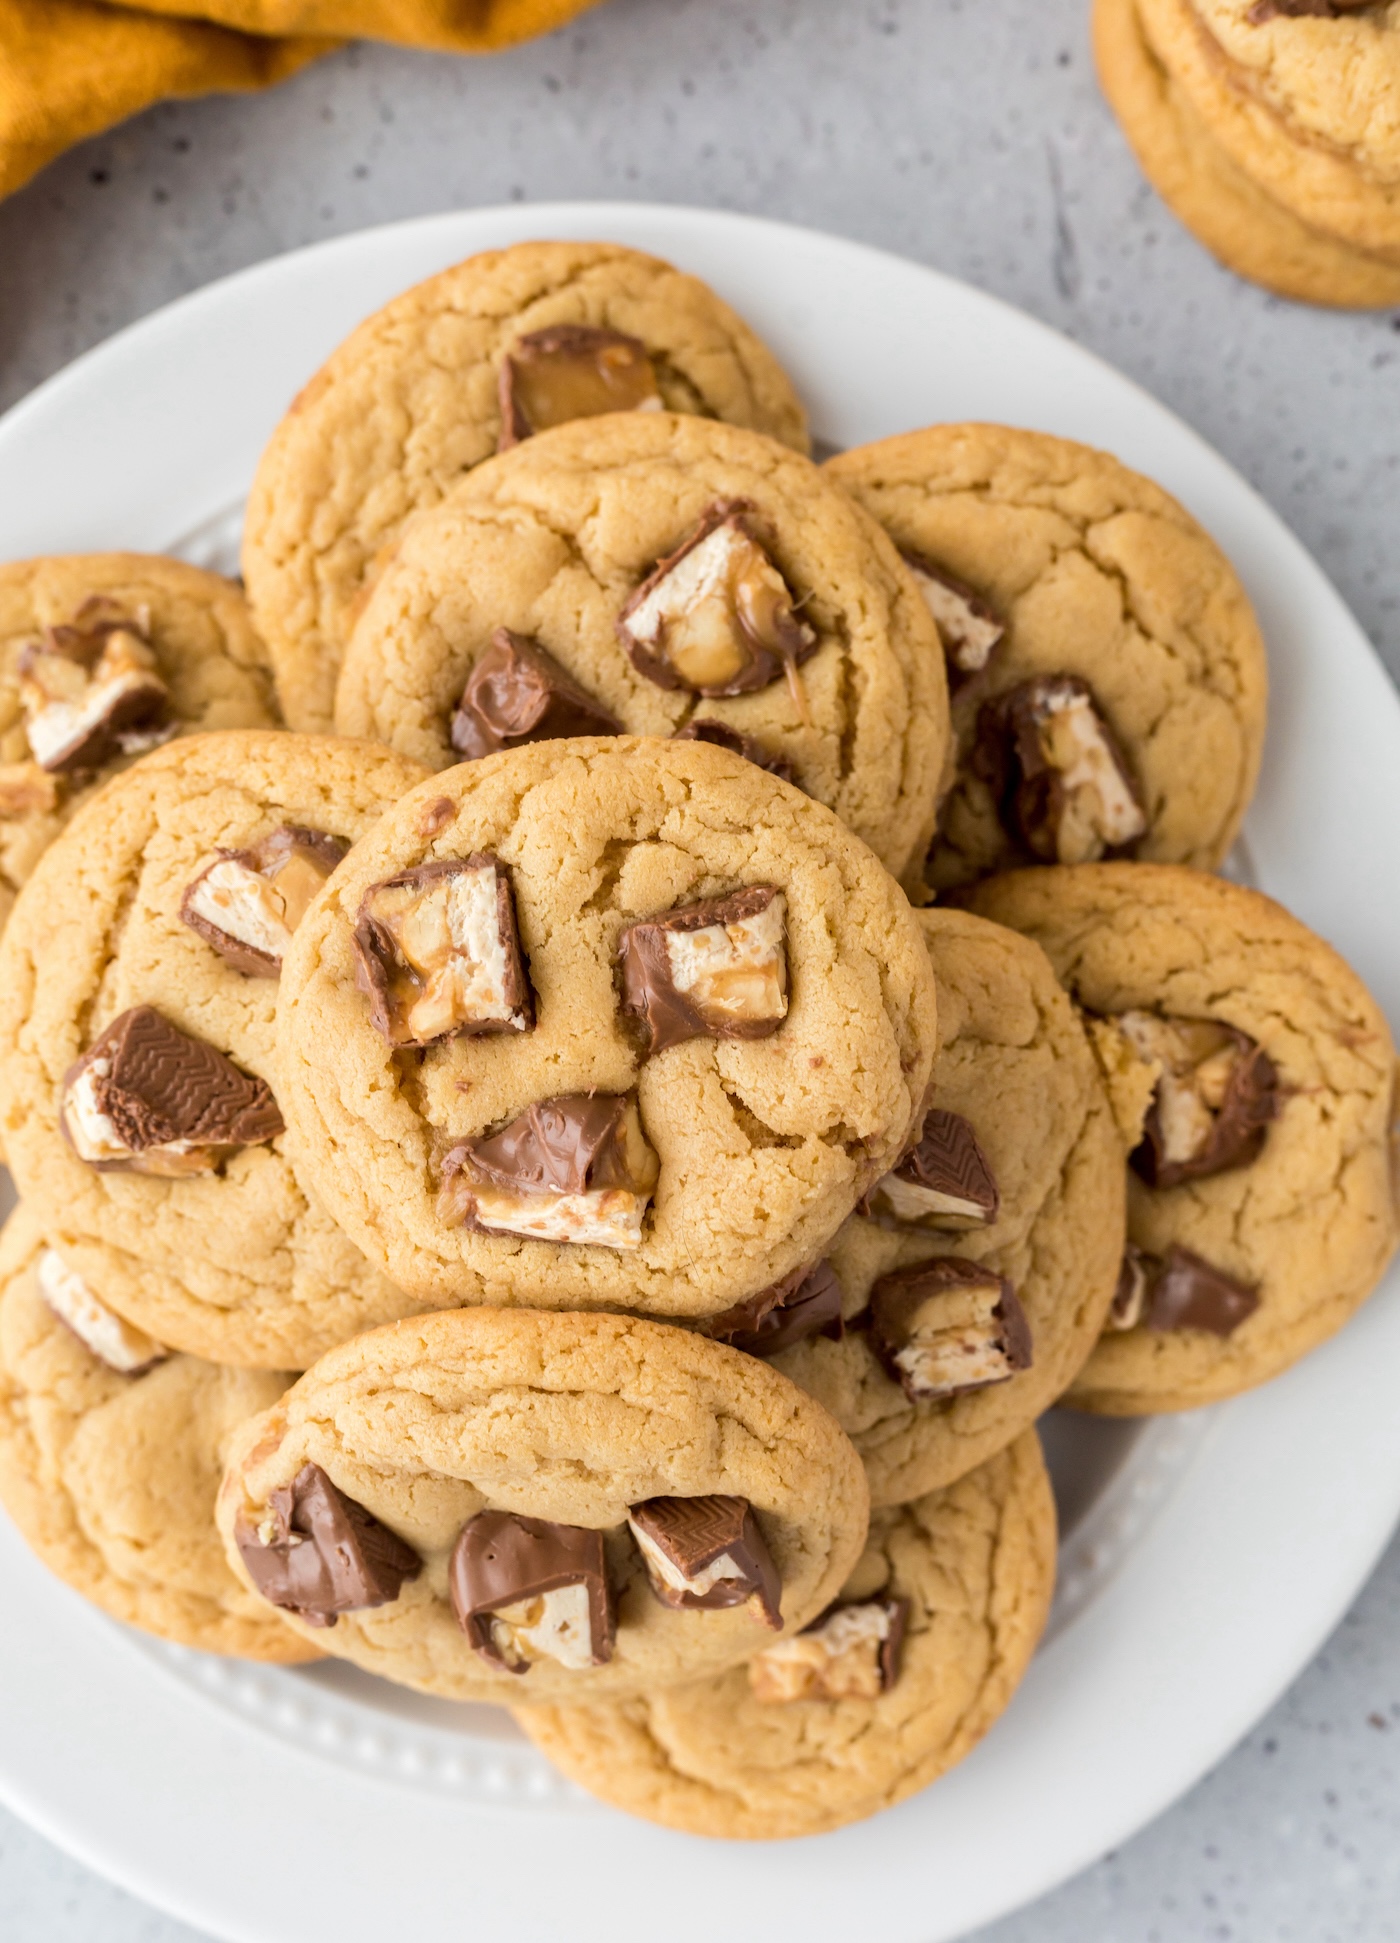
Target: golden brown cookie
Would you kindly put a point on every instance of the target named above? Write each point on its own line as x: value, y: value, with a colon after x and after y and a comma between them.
x: 413, y: 400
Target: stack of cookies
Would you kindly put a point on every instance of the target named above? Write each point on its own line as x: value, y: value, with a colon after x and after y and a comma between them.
x: 566, y: 1175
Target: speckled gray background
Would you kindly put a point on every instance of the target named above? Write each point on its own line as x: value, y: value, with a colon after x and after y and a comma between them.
x: 967, y: 134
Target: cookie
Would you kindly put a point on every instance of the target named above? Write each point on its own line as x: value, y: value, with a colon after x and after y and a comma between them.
x: 487, y: 1504
x: 935, y: 1628
x: 603, y: 1023
x: 137, y: 995
x: 102, y: 655
x: 1020, y: 1176
x: 1236, y: 216
x: 547, y: 547
x: 1108, y: 674
x: 434, y: 383
x: 110, y: 1469
x: 1260, y: 1071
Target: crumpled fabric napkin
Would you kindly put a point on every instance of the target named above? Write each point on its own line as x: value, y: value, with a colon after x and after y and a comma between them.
x: 70, y: 68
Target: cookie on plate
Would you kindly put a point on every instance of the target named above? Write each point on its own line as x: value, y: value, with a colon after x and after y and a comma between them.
x: 487, y: 1504
x: 476, y: 358
x: 102, y: 656
x: 1236, y: 213
x: 1261, y: 1071
x: 662, y: 575
x: 1109, y: 682
x: 111, y: 1452
x: 611, y: 1023
x: 138, y: 984
x: 881, y: 1695
x: 980, y: 1280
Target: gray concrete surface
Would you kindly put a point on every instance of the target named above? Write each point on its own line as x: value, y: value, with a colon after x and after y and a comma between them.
x: 968, y: 134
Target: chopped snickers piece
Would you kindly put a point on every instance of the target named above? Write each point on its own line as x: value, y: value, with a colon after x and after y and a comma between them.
x: 1216, y: 1095
x: 704, y: 1554
x: 110, y: 1337
x: 577, y: 1168
x: 1129, y: 1302
x: 852, y: 1652
x: 720, y: 735
x: 147, y: 1098
x: 716, y: 616
x: 944, y: 1327
x: 716, y: 970
x: 318, y: 1553
x: 569, y: 371
x: 248, y: 903
x: 805, y: 1303
x: 517, y: 693
x: 1263, y: 10
x: 524, y: 1589
x: 944, y: 1182
x: 438, y: 952
x: 91, y: 690
x: 968, y: 628
x: 1189, y: 1293
x: 1062, y: 782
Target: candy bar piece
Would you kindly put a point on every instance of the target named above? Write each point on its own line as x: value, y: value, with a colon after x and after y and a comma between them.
x: 111, y: 1338
x: 248, y: 903
x: 1129, y: 1302
x: 945, y: 1327
x: 1264, y: 10
x: 1216, y: 1095
x: 571, y: 371
x: 147, y: 1098
x: 524, y: 1589
x: 945, y: 1182
x: 720, y: 735
x: 1189, y: 1293
x: 439, y: 952
x: 716, y: 970
x: 704, y: 1554
x: 852, y: 1652
x: 716, y: 616
x: 805, y: 1303
x: 577, y: 1169
x: 317, y: 1553
x: 1062, y: 782
x: 518, y: 693
x: 91, y: 691
x: 968, y: 628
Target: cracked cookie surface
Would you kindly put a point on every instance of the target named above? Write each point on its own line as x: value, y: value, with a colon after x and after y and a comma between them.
x: 552, y: 538
x: 573, y: 1419
x: 975, y: 1561
x: 409, y: 404
x: 238, y: 1265
x: 1310, y: 1224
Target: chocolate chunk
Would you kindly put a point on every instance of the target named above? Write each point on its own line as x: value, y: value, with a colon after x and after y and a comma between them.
x: 150, y: 1099
x: 518, y: 693
x: 716, y: 970
x: 318, y: 1553
x: 703, y: 728
x: 704, y: 1554
x: 968, y: 628
x: 524, y: 1589
x: 944, y: 1182
x: 248, y: 903
x: 439, y: 954
x: 1189, y: 1293
x: 1264, y: 10
x: 1130, y: 1297
x: 1216, y: 1096
x: 805, y: 1303
x: 110, y: 1337
x: 577, y: 1168
x: 944, y: 1327
x: 852, y: 1652
x: 569, y: 371
x: 716, y: 616
x: 91, y: 690
x: 1062, y: 783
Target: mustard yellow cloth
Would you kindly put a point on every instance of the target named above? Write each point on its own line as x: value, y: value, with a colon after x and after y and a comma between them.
x: 70, y: 68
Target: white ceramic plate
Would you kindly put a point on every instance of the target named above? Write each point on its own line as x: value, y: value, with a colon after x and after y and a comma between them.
x: 1206, y: 1558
